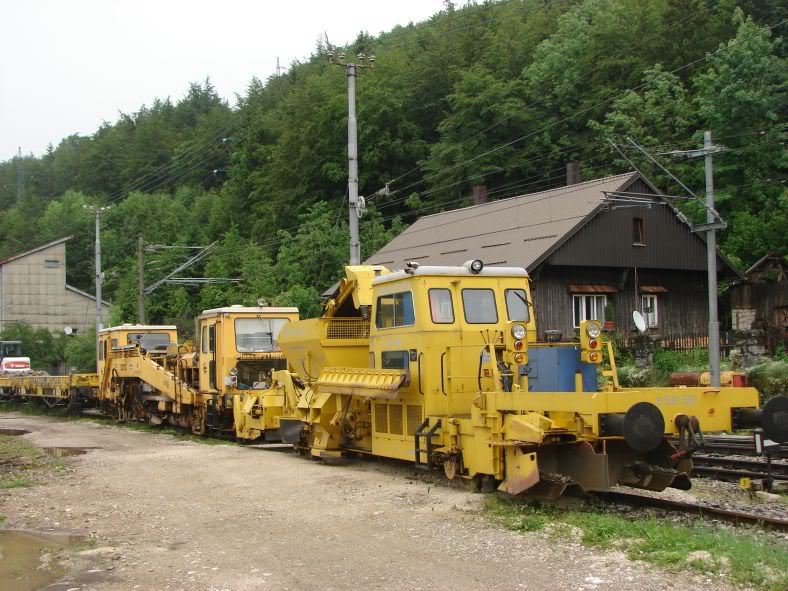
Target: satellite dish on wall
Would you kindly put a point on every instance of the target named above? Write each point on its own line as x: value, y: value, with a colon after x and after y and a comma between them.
x: 68, y: 330
x: 639, y: 321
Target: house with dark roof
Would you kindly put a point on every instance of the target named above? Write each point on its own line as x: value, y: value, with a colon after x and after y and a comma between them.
x: 594, y: 250
x: 33, y: 290
x: 759, y: 300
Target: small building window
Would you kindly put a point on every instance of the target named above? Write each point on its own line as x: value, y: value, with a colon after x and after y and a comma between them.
x: 650, y: 310
x: 441, y: 307
x: 587, y: 307
x: 394, y: 310
x: 638, y: 235
x: 52, y: 264
x: 479, y: 306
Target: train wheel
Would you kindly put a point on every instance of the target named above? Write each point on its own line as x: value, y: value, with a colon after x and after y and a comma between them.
x: 450, y: 467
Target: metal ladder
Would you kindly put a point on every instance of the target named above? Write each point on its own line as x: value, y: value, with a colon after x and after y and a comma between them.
x: 426, y: 432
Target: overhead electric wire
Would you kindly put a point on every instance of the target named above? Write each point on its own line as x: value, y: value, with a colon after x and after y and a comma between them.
x: 601, y: 103
x: 148, y: 184
x: 409, y: 30
x: 540, y: 101
x: 530, y: 9
x: 592, y: 107
x: 519, y: 201
x: 544, y: 184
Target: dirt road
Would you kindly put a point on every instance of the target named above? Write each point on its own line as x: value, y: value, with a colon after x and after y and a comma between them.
x: 170, y: 514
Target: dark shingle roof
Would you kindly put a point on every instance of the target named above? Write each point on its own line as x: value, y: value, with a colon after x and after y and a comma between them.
x: 520, y: 231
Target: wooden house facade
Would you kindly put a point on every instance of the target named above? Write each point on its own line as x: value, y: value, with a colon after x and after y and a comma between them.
x: 597, y: 249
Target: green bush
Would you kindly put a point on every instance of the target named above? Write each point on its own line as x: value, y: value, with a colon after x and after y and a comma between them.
x: 630, y: 376
x: 694, y: 360
x: 770, y: 378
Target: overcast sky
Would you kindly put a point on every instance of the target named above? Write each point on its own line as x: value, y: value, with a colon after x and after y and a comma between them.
x: 68, y: 65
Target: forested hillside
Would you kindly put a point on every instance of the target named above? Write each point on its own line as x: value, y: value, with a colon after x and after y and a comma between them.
x: 496, y: 93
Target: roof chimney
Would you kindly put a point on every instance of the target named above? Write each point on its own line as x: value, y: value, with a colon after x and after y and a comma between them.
x: 479, y: 194
x: 572, y: 172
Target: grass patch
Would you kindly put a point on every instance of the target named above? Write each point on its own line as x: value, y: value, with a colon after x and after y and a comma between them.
x: 740, y: 556
x: 22, y: 463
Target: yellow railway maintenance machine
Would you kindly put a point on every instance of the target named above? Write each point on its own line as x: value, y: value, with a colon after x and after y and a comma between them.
x: 440, y: 365
x: 146, y: 375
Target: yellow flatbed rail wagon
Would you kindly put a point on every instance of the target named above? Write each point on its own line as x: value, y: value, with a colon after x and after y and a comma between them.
x: 441, y: 366
x: 72, y: 389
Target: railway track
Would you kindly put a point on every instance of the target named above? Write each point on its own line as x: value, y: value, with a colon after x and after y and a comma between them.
x: 741, y: 445
x: 732, y: 469
x: 728, y: 515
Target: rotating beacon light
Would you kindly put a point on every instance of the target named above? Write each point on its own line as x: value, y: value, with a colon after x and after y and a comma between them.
x: 591, y: 341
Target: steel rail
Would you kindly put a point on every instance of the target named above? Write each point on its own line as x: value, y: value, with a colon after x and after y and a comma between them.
x: 729, y: 515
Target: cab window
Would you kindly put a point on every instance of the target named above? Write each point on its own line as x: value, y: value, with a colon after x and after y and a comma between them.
x: 396, y: 360
x: 395, y: 309
x: 479, y: 306
x: 204, y: 339
x: 517, y: 305
x: 441, y: 307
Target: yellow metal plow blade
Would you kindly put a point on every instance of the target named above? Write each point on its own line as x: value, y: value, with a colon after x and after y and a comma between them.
x: 369, y: 383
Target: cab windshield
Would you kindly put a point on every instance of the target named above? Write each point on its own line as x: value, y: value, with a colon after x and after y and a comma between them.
x: 150, y: 340
x: 258, y: 335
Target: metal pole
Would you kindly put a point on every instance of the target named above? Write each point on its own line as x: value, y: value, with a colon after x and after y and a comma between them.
x: 352, y: 155
x: 19, y: 176
x: 99, y: 326
x: 711, y: 251
x: 141, y: 277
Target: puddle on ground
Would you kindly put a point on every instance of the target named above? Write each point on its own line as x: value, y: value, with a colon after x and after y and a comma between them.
x: 64, y: 452
x: 13, y: 431
x: 29, y: 560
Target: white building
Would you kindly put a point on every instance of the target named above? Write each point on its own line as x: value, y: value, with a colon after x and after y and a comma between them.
x: 33, y: 290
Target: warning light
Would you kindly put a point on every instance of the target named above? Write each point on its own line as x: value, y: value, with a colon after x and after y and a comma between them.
x: 518, y: 345
x: 518, y: 357
x: 593, y: 343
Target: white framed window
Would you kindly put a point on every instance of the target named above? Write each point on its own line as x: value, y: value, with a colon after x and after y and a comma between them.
x: 587, y: 307
x: 649, y: 303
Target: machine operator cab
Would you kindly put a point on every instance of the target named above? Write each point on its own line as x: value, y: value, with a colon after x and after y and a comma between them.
x: 11, y: 359
x: 239, y: 347
x: 153, y: 340
x: 454, y: 330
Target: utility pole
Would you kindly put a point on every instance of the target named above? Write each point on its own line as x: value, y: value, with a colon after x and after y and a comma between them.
x: 711, y: 253
x: 356, y: 204
x: 278, y: 68
x: 19, y: 182
x: 97, y: 211
x: 141, y: 279
x: 713, y: 223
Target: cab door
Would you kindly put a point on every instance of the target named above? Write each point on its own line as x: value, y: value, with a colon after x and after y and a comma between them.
x: 208, y: 369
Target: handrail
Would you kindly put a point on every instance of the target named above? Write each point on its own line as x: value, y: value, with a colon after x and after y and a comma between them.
x: 443, y: 356
x: 418, y: 368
